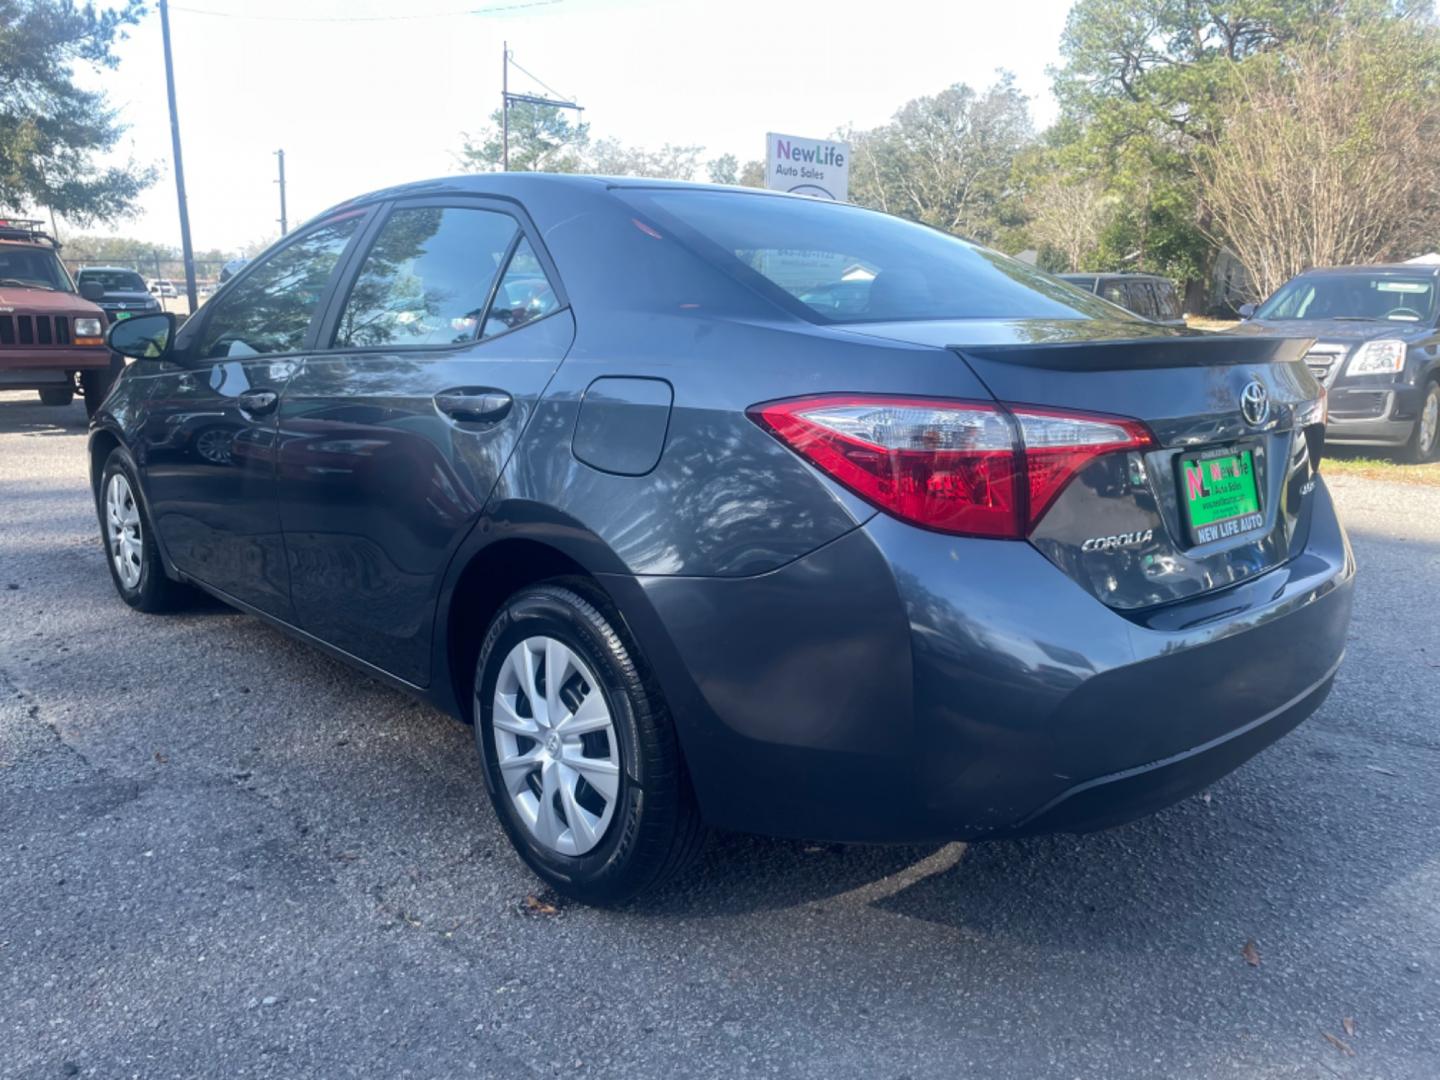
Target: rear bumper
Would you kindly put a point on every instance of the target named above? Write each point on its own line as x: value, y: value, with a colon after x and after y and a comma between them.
x: 900, y: 685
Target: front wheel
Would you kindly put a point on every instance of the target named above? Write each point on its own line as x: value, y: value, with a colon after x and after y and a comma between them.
x: 57, y: 395
x: 580, y: 756
x: 1424, y: 445
x: 135, y: 564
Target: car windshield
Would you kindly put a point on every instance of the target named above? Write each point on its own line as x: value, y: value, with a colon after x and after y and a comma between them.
x: 115, y: 280
x: 32, y: 267
x: 836, y: 263
x: 1378, y: 296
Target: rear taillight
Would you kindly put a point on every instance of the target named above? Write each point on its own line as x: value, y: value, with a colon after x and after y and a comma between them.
x: 968, y: 467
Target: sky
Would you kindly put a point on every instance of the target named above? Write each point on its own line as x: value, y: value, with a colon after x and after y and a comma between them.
x: 366, y: 93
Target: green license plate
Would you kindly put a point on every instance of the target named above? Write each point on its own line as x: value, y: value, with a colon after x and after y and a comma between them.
x: 123, y: 315
x: 1219, y: 495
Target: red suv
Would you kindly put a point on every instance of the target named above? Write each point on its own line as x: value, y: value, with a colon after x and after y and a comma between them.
x: 51, y: 334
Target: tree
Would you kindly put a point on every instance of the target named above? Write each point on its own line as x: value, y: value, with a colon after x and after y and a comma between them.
x: 1069, y: 215
x: 726, y: 169
x: 1141, y: 88
x: 947, y: 160
x: 610, y: 157
x: 542, y: 139
x: 51, y: 130
x: 1329, y: 157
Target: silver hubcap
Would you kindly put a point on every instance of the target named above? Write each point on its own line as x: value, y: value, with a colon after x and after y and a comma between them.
x: 1429, y: 420
x: 555, y: 745
x: 122, y: 517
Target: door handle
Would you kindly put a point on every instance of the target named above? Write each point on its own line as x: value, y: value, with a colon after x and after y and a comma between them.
x: 474, y: 406
x: 258, y: 402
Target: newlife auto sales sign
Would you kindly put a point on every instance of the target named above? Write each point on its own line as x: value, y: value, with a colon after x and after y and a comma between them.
x: 817, y: 167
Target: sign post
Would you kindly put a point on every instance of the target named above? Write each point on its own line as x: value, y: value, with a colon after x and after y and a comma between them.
x: 816, y: 167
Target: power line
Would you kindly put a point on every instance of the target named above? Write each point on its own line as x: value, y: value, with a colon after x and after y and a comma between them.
x: 499, y: 9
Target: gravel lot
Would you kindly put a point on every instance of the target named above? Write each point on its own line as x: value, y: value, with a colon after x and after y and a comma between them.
x: 223, y: 854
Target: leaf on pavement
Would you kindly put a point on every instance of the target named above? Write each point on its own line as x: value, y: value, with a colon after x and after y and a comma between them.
x: 1251, y: 953
x: 1339, y: 1044
x: 536, y: 906
x: 1349, y: 1025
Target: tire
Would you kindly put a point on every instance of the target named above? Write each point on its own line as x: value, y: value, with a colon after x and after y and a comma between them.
x: 135, y: 565
x: 95, y: 383
x: 57, y: 395
x: 648, y: 828
x: 1424, y: 444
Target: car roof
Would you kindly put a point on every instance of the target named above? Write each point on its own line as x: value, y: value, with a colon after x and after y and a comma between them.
x: 517, y: 185
x: 1373, y: 268
x: 111, y: 269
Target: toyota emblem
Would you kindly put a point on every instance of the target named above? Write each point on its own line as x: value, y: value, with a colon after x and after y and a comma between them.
x: 1255, y: 403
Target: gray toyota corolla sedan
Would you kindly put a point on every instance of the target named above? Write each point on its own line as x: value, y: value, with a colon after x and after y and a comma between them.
x: 709, y: 506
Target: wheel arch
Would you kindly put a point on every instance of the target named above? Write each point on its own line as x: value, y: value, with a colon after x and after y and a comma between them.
x: 513, y: 546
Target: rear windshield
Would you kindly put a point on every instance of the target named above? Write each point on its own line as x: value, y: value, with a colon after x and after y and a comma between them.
x: 115, y: 280
x: 1392, y: 297
x: 836, y: 263
x: 32, y: 268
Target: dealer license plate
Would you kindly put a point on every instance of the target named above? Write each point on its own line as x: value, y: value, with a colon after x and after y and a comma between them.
x: 1219, y: 494
x: 123, y: 315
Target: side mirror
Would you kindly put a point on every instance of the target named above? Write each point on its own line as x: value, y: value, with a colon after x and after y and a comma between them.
x: 144, y: 337
x: 1246, y: 311
x: 92, y: 290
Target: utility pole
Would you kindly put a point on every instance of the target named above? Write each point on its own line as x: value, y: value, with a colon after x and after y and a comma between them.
x: 284, y: 228
x: 506, y: 98
x: 186, y: 250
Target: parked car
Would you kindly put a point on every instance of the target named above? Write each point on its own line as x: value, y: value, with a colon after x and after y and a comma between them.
x: 163, y: 287
x: 124, y: 293
x: 1377, y: 350
x: 1147, y: 295
x: 51, y: 331
x: 983, y: 557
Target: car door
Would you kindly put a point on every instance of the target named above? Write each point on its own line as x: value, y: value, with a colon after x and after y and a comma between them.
x: 207, y: 445
x: 395, y: 429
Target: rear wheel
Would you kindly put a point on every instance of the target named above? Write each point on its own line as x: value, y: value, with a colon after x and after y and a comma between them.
x: 580, y: 756
x: 57, y: 395
x: 1424, y: 444
x: 130, y: 549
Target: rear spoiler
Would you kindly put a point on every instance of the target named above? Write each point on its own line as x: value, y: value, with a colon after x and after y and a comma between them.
x: 1185, y: 350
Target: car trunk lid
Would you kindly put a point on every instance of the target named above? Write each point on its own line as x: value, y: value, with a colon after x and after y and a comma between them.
x: 1221, y: 496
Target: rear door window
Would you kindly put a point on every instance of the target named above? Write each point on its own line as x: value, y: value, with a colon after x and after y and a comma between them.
x: 426, y: 279
x: 1166, y: 300
x: 525, y: 293
x: 1139, y: 298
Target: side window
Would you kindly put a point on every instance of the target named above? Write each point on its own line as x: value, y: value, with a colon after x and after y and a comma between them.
x: 270, y: 310
x: 525, y: 293
x: 426, y: 278
x: 1167, y: 300
x: 1114, y: 291
x: 1141, y: 302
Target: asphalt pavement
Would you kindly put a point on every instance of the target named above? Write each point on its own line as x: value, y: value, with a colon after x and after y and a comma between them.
x: 224, y: 855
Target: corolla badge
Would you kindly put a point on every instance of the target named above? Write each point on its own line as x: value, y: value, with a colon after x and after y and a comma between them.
x: 1119, y: 540
x: 1255, y: 403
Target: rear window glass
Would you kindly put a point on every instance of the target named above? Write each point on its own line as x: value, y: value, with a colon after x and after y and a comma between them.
x: 836, y: 263
x: 1393, y: 297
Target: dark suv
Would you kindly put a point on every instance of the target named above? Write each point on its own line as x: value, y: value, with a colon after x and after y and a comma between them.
x: 1147, y: 295
x: 1376, y: 350
x: 971, y: 554
x: 123, y: 293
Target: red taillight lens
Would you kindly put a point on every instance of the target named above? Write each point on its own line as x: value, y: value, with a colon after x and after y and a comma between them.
x: 967, y: 467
